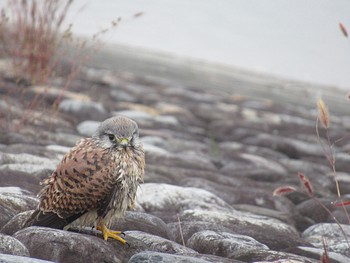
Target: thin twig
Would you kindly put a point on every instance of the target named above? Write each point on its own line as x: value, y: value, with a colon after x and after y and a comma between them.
x: 181, y: 232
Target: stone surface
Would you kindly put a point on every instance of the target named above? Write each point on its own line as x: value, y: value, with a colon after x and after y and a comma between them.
x: 16, y: 223
x: 157, y: 257
x: 63, y: 246
x: 335, y: 235
x: 158, y: 198
x: 84, y: 109
x: 143, y: 222
x: 87, y: 128
x: 224, y: 244
x: 4, y: 258
x: 13, y: 203
x: 10, y: 245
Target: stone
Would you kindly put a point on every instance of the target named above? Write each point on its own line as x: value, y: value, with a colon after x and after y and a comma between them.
x: 143, y: 222
x: 157, y: 257
x: 284, y: 145
x: 11, y: 204
x: 26, y: 162
x: 336, y: 237
x: 167, y: 120
x: 185, y: 160
x: 268, y: 231
x: 157, y: 198
x: 313, y: 210
x: 4, y: 258
x: 316, y: 253
x: 63, y: 246
x: 156, y: 243
x: 224, y: 244
x: 10, y: 245
x: 16, y: 223
x: 135, y: 115
x: 19, y: 182
x: 276, y: 256
x: 155, y: 150
x: 83, y: 110
x: 87, y: 128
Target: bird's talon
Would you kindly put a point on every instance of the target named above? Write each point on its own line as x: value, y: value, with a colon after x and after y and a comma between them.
x: 111, y: 233
x: 123, y: 234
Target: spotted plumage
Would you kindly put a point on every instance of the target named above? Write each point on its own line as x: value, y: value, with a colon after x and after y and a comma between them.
x: 96, y: 181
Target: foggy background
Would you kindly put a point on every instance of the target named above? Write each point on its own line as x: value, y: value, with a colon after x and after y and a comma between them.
x: 297, y: 40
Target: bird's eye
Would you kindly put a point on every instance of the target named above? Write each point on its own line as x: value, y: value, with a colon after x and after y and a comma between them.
x: 111, y: 137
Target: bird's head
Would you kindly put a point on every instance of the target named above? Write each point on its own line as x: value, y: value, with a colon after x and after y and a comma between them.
x: 117, y: 132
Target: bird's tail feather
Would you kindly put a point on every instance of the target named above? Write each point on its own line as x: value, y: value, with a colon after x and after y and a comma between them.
x: 49, y: 219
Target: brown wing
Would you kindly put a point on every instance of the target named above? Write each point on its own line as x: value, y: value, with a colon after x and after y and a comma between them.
x: 80, y: 183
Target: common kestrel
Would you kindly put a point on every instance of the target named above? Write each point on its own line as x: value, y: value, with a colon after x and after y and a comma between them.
x: 96, y: 181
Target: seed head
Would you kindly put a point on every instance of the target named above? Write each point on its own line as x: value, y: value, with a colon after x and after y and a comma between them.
x: 323, y: 113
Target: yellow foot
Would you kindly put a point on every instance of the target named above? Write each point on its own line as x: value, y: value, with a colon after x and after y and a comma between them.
x: 110, y: 233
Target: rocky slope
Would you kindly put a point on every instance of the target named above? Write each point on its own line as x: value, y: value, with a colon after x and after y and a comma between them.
x: 213, y: 156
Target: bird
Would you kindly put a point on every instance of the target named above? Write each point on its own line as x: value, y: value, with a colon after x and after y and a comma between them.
x: 95, y: 182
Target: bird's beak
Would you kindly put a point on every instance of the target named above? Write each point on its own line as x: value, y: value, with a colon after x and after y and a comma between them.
x: 123, y: 142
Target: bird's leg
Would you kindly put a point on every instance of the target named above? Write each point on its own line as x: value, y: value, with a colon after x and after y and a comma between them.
x: 110, y: 233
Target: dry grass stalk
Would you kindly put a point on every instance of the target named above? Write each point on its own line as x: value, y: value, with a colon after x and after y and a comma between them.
x: 283, y: 190
x: 323, y: 113
x: 306, y: 183
x: 30, y: 35
x: 325, y: 257
x: 181, y: 232
x: 343, y: 30
x: 328, y: 149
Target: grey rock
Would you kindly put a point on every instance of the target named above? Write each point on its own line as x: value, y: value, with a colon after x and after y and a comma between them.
x: 271, y: 232
x: 134, y: 114
x: 158, y: 198
x: 121, y: 95
x: 276, y: 257
x: 185, y: 160
x: 336, y: 237
x: 184, y: 230
x: 26, y: 162
x: 289, y: 146
x: 157, y: 257
x: 225, y: 192
x: 18, y: 182
x: 11, y: 204
x: 16, y: 223
x: 317, y: 253
x: 67, y: 139
x: 260, y: 161
x: 192, y: 96
x: 155, y: 150
x: 251, y: 171
x: 61, y: 150
x: 154, y: 140
x: 4, y: 258
x: 224, y: 244
x: 156, y: 243
x: 282, y: 216
x: 10, y: 245
x: 143, y: 222
x: 87, y: 128
x: 313, y: 210
x: 230, y: 150
x: 84, y: 109
x: 166, y: 120
x: 63, y: 246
